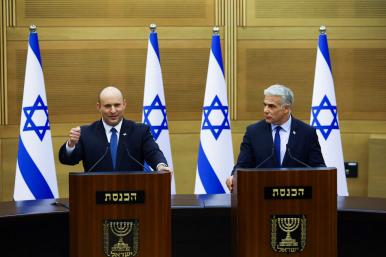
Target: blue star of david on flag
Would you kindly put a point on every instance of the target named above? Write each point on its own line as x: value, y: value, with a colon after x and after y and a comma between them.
x: 155, y: 105
x: 215, y: 129
x: 325, y: 129
x: 30, y: 125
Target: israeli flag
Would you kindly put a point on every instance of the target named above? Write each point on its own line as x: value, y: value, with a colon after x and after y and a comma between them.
x: 324, y: 113
x: 215, y: 153
x: 35, y: 166
x: 154, y: 108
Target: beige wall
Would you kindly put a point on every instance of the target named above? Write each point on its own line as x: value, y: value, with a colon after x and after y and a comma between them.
x: 86, y: 46
x: 357, y: 138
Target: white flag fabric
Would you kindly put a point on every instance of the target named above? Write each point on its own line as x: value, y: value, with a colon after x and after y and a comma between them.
x: 324, y: 114
x: 215, y: 154
x: 35, y: 166
x: 154, y: 108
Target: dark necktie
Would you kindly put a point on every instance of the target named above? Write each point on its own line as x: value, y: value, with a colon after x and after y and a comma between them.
x: 277, y: 145
x: 113, y: 145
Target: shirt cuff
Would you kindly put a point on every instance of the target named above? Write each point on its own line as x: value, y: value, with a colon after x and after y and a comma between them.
x: 161, y: 164
x: 69, y: 150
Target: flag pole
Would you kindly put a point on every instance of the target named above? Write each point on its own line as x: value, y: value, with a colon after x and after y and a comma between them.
x: 32, y: 28
x: 322, y: 30
x: 153, y: 27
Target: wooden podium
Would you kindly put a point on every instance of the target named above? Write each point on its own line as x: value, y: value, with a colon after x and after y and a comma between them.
x: 120, y: 214
x: 285, y: 212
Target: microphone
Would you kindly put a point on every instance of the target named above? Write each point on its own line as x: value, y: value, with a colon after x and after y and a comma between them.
x: 296, y: 159
x: 132, y: 157
x: 266, y: 159
x: 100, y: 159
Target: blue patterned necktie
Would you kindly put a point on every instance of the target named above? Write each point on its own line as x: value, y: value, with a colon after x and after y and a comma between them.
x: 113, y: 145
x: 277, y: 145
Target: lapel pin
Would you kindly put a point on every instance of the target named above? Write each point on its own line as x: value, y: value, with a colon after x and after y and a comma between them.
x: 124, y: 134
x: 294, y: 132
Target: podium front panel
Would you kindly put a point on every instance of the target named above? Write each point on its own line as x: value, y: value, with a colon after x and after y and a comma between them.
x: 120, y: 214
x: 286, y: 212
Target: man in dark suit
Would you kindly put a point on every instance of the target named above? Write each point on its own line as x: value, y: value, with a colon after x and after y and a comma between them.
x: 112, y: 143
x: 280, y: 140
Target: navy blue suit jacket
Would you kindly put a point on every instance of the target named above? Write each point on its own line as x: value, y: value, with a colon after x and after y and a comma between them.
x: 257, y: 146
x: 92, y: 145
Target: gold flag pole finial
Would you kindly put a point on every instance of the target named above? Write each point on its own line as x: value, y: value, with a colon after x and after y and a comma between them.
x: 322, y: 30
x: 32, y: 28
x: 153, y: 27
x: 216, y: 30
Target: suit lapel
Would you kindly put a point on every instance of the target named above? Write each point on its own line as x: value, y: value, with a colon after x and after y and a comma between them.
x: 123, y: 141
x: 102, y: 134
x: 268, y: 142
x: 268, y: 136
x: 291, y: 139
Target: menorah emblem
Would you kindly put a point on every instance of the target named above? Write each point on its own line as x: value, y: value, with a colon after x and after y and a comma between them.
x: 123, y: 231
x: 288, y: 233
x: 121, y: 228
x: 288, y: 225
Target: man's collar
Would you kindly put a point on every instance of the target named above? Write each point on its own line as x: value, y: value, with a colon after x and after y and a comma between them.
x: 286, y: 126
x: 108, y: 127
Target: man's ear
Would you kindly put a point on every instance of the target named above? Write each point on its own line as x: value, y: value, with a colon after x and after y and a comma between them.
x: 287, y: 108
x: 98, y: 106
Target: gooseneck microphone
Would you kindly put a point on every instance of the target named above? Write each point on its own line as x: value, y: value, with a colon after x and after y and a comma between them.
x: 132, y: 157
x: 266, y: 159
x: 100, y: 159
x: 296, y: 159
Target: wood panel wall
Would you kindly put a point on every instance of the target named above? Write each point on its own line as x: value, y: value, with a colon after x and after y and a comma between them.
x: 86, y: 45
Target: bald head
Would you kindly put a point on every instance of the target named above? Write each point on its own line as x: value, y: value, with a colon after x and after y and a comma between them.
x: 111, y: 104
x: 108, y: 92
